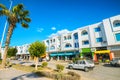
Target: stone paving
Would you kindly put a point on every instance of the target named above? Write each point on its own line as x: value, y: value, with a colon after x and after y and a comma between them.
x: 13, y: 74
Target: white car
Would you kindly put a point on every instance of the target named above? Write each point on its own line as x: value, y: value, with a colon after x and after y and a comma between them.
x: 115, y: 62
x: 85, y: 65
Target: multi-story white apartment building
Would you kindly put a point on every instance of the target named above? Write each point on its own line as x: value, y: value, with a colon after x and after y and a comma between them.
x: 102, y: 39
x: 23, y: 52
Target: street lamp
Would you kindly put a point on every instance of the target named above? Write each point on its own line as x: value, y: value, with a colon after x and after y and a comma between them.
x: 5, y: 27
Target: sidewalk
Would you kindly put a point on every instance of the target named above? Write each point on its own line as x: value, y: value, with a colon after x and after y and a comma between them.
x: 13, y: 74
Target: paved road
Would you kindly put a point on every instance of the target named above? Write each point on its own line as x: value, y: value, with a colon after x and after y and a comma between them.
x: 100, y: 72
x: 13, y: 74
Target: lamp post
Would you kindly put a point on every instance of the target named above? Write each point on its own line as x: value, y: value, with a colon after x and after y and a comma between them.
x: 11, y: 2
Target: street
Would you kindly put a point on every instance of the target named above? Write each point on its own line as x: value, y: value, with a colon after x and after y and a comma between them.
x: 100, y: 72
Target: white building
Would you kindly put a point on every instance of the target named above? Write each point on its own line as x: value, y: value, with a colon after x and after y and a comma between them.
x: 23, y: 52
x: 101, y: 38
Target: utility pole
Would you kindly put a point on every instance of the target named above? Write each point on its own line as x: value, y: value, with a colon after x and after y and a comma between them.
x: 11, y: 2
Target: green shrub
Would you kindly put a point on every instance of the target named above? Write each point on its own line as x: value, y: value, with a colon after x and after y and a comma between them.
x: 0, y: 61
x: 44, y: 64
x: 59, y: 76
x: 75, y: 59
x: 60, y: 67
x: 107, y: 61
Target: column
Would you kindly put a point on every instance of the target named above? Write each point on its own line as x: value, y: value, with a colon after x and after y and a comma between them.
x: 57, y: 58
x: 65, y: 58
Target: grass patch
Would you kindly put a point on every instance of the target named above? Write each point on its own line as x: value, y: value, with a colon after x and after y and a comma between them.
x: 23, y: 68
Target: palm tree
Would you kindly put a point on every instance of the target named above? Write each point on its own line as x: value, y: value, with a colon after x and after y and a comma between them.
x: 17, y: 15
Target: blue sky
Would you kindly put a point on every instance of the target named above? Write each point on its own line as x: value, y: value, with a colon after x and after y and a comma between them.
x: 53, y: 16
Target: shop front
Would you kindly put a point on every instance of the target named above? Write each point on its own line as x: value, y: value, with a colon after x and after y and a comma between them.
x: 86, y: 53
x: 102, y: 56
x: 62, y: 55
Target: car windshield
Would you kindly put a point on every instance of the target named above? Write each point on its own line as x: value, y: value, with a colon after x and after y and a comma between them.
x: 89, y: 61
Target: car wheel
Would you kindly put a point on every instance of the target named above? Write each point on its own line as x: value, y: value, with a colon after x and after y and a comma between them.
x: 86, y: 69
x: 70, y: 67
x: 116, y: 65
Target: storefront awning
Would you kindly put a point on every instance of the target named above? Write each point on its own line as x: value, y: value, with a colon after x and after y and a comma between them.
x: 102, y: 52
x: 52, y: 55
x: 61, y: 54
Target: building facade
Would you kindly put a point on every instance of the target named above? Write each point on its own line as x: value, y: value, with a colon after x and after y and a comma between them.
x: 98, y: 40
x: 23, y: 52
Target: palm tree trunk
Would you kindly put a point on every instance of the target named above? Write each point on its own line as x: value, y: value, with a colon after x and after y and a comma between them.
x: 36, y: 64
x: 9, y: 34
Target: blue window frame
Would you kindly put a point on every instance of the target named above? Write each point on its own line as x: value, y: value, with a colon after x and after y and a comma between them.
x: 97, y: 29
x: 117, y: 25
x: 117, y: 35
x: 76, y: 36
x: 85, y: 42
x: 99, y: 39
x: 84, y: 33
x: 76, y: 45
x: 68, y: 45
x: 52, y: 47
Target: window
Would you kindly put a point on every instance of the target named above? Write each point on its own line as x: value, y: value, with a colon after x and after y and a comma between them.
x: 116, y: 23
x: 76, y: 36
x: 52, y: 47
x: 117, y: 35
x: 85, y: 42
x: 53, y: 40
x: 68, y: 45
x: 76, y: 45
x: 97, y: 29
x: 47, y: 42
x: 65, y: 38
x: 99, y: 39
x: 84, y: 33
x: 69, y: 37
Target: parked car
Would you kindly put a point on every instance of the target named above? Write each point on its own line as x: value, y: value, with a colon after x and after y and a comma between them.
x: 115, y: 62
x: 85, y: 65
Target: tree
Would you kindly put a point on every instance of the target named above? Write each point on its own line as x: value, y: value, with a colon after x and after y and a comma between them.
x: 11, y: 52
x: 37, y: 49
x: 17, y: 15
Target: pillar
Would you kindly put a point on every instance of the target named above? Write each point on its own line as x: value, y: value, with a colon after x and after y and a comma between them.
x: 65, y: 58
x: 111, y: 55
x: 81, y: 55
x: 95, y: 57
x: 57, y: 58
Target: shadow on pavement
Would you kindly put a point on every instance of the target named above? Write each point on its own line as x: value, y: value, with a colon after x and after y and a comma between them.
x: 108, y: 65
x: 28, y: 76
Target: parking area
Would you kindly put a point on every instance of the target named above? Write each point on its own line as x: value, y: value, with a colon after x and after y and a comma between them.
x: 100, y: 72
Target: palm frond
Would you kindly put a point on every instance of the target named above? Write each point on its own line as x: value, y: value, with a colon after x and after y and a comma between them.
x: 25, y: 25
x: 2, y: 6
x: 5, y: 12
x: 27, y: 19
x: 17, y: 8
x: 25, y: 12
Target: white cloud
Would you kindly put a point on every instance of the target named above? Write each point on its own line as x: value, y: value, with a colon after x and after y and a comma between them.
x: 40, y: 29
x: 53, y: 28
x: 59, y: 33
